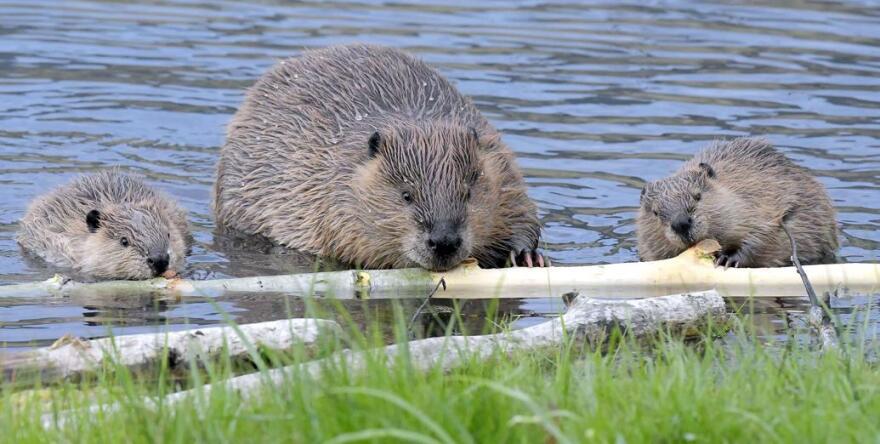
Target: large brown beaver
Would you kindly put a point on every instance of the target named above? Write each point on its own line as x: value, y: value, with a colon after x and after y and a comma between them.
x: 738, y: 193
x: 369, y: 156
x: 107, y: 225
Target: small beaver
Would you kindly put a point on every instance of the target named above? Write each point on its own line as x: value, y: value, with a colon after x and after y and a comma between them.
x: 739, y: 193
x: 108, y: 225
x: 367, y: 155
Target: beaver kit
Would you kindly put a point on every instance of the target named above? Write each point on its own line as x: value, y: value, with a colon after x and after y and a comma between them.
x: 739, y: 193
x: 107, y: 225
x: 369, y: 156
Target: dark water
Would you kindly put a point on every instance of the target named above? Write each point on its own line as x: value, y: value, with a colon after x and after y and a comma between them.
x: 595, y: 99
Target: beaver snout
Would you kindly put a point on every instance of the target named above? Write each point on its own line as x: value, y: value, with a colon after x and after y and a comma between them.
x: 159, y: 263
x: 681, y: 225
x: 444, y: 240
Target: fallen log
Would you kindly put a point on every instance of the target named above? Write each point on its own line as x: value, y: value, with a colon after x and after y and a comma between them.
x: 691, y: 271
x: 586, y: 319
x: 71, y: 357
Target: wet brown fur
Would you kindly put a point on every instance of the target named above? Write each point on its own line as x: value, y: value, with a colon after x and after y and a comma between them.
x: 297, y: 167
x: 744, y: 193
x: 55, y: 228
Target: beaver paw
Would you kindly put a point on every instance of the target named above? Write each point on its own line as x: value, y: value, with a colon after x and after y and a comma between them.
x: 727, y: 260
x: 528, y: 258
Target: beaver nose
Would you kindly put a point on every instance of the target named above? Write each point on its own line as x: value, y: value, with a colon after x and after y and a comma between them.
x: 444, y: 243
x: 159, y: 263
x: 682, y: 225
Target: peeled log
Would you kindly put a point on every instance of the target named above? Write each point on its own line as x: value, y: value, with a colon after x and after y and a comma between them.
x: 70, y: 357
x: 691, y: 271
x: 586, y: 319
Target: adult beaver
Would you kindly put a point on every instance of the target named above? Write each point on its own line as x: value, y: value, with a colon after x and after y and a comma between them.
x: 108, y: 225
x: 739, y: 193
x: 367, y: 155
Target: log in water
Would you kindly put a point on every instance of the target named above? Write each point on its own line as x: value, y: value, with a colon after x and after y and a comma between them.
x: 691, y: 271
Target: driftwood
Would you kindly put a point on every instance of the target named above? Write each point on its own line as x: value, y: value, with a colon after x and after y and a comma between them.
x: 692, y: 271
x: 585, y: 319
x: 72, y: 357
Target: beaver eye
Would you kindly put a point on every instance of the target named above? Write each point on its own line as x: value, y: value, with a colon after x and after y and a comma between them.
x: 656, y: 213
x: 124, y: 241
x: 698, y: 196
x: 468, y: 195
x: 407, y: 197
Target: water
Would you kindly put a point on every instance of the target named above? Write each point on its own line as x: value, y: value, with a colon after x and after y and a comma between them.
x: 594, y: 98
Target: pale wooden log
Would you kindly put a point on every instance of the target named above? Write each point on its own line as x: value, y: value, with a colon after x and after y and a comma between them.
x: 691, y: 271
x: 586, y: 318
x: 71, y: 357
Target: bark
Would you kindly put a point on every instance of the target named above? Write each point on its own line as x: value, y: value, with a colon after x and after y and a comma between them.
x: 586, y: 319
x: 71, y: 357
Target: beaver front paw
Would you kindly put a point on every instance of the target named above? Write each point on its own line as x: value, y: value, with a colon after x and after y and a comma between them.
x: 729, y: 259
x: 529, y: 258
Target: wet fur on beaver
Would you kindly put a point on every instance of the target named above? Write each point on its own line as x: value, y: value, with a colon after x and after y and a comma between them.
x: 737, y: 193
x: 367, y: 155
x: 108, y: 225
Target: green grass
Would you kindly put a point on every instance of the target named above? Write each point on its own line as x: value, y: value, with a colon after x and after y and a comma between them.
x: 731, y: 390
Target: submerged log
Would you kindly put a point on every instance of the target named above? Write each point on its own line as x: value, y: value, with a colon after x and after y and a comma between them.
x: 586, y: 319
x: 71, y: 357
x: 691, y: 271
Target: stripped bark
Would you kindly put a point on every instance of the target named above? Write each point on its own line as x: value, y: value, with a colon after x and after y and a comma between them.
x: 71, y: 357
x: 691, y: 271
x: 586, y: 319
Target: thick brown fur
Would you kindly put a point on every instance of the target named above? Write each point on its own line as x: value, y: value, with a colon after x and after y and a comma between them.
x: 738, y: 193
x: 326, y: 144
x: 83, y: 225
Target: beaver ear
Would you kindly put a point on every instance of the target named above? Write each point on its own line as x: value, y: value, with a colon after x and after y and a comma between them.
x: 644, y: 195
x: 93, y: 220
x: 373, y: 144
x: 707, y: 169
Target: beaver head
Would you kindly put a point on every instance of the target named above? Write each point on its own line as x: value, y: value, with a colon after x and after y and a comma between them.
x: 424, y: 193
x: 690, y: 206
x: 130, y: 241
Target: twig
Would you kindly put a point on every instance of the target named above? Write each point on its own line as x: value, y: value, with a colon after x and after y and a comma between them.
x: 418, y: 312
x: 817, y: 316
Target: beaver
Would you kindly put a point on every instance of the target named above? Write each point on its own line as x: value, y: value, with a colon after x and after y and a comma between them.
x: 367, y: 155
x: 739, y: 193
x: 107, y: 225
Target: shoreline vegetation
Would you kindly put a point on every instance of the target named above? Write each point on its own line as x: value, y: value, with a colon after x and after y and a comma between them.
x: 722, y: 385
x: 608, y: 369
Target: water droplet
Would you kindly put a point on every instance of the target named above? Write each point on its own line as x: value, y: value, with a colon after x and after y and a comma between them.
x: 333, y: 140
x: 430, y: 99
x: 424, y: 83
x: 358, y: 116
x: 258, y: 138
x: 296, y: 76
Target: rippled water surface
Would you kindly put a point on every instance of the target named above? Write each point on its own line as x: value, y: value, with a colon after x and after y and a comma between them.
x: 595, y: 98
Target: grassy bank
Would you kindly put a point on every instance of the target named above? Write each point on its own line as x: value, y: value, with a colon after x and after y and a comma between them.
x: 666, y: 392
